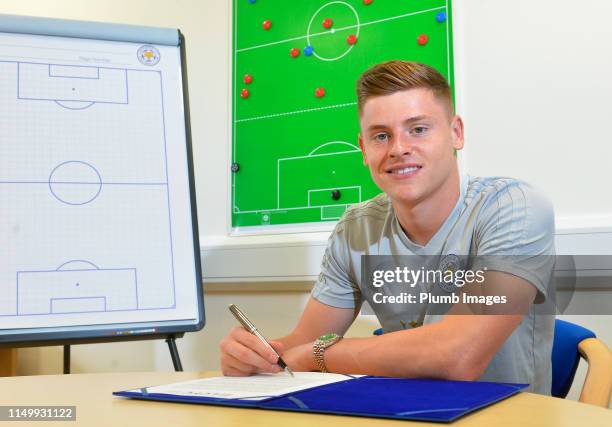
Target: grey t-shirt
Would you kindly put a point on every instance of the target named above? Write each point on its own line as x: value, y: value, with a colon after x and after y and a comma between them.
x: 493, y: 216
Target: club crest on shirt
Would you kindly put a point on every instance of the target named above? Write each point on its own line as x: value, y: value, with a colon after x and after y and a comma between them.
x: 451, y: 263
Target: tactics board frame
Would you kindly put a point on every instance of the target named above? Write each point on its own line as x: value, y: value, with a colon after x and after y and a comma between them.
x: 128, y: 331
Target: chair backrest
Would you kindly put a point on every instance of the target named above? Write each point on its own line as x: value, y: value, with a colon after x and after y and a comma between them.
x: 565, y: 356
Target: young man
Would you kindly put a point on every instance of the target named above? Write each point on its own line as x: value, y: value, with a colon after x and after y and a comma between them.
x: 409, y: 134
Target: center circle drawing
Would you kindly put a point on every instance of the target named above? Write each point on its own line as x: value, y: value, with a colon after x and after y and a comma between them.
x: 340, y: 34
x: 75, y: 182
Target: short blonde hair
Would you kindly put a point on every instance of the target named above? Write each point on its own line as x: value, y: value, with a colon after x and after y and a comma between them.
x: 394, y: 76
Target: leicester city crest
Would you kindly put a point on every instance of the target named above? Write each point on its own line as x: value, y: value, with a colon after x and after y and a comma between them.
x: 148, y: 55
x: 448, y: 266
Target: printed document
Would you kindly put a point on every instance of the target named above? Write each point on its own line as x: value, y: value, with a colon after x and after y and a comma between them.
x: 256, y: 387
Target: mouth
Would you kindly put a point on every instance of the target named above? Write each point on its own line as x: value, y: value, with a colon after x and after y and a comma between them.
x: 404, y: 170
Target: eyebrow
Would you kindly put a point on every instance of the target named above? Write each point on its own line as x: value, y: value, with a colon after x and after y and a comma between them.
x: 405, y: 122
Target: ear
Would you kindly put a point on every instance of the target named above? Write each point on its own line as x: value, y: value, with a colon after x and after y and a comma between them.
x: 362, y: 147
x: 457, y: 132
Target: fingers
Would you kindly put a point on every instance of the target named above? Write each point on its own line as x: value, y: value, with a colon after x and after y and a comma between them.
x: 250, y: 341
x: 244, y: 354
x: 278, y: 346
x: 249, y: 357
x: 233, y: 367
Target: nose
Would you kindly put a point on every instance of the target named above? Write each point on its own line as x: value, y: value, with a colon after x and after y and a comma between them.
x: 400, y: 146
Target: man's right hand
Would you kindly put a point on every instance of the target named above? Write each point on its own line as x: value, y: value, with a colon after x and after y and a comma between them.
x: 242, y: 354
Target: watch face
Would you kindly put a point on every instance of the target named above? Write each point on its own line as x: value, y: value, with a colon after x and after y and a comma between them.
x: 328, y: 337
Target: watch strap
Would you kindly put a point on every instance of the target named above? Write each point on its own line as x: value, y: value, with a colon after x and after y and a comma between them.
x: 319, y: 347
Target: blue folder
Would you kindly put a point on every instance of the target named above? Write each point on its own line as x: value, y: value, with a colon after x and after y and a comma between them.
x: 371, y: 396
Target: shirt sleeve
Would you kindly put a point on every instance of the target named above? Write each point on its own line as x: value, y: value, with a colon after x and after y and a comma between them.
x: 515, y: 235
x: 335, y: 285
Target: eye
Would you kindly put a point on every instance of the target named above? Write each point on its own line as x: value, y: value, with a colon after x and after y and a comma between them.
x: 419, y: 130
x: 381, y: 137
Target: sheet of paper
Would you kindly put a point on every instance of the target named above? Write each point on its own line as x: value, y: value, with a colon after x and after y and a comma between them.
x: 257, y: 387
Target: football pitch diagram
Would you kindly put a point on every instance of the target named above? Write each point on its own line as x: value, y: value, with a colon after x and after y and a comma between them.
x: 295, y: 155
x: 83, y: 166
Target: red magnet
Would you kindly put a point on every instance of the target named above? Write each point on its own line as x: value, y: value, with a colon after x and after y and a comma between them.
x: 267, y: 24
x: 248, y: 79
x: 422, y: 39
x: 244, y: 93
x: 352, y: 39
x: 327, y: 23
x: 320, y: 92
x: 294, y: 52
x: 367, y: 2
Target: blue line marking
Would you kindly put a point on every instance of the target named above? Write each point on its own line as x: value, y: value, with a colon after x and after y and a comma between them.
x: 103, y: 298
x: 84, y: 107
x: 50, y: 74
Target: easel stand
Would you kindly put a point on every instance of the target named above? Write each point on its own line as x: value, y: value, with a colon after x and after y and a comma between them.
x: 170, y: 339
x: 67, y: 359
x: 176, y: 359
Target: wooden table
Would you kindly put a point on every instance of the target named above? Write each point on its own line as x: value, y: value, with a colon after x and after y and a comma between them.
x: 91, y: 393
x: 8, y: 362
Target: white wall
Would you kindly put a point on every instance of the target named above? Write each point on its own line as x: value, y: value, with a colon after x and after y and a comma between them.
x: 533, y: 89
x: 536, y: 91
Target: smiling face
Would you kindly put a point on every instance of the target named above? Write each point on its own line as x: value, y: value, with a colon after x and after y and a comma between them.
x: 408, y: 141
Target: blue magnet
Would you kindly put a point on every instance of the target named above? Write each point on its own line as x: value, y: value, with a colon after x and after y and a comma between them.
x: 308, y: 50
x: 252, y: 1
x: 441, y: 17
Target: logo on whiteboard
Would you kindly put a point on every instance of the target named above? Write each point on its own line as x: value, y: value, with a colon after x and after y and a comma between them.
x: 148, y: 55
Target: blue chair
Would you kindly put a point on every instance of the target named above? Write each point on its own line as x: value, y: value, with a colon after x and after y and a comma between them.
x: 571, y: 342
x: 565, y: 356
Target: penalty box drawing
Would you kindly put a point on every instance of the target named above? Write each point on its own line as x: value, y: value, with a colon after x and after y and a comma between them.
x: 72, y: 86
x: 76, y: 287
x: 299, y: 188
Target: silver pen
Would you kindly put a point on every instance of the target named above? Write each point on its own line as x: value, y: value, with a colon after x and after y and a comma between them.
x: 249, y: 326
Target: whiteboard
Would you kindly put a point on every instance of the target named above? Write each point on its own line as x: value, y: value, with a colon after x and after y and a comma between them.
x: 98, y: 223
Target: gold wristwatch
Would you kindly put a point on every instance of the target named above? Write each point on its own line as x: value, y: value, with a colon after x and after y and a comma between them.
x: 319, y: 346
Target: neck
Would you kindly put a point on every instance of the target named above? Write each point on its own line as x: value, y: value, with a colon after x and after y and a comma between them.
x: 421, y: 221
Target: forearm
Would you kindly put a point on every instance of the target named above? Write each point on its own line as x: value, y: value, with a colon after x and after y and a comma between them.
x: 292, y: 340
x: 388, y: 355
x: 318, y: 319
x: 432, y: 351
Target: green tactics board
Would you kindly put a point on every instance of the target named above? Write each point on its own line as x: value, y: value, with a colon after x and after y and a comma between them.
x: 295, y: 153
